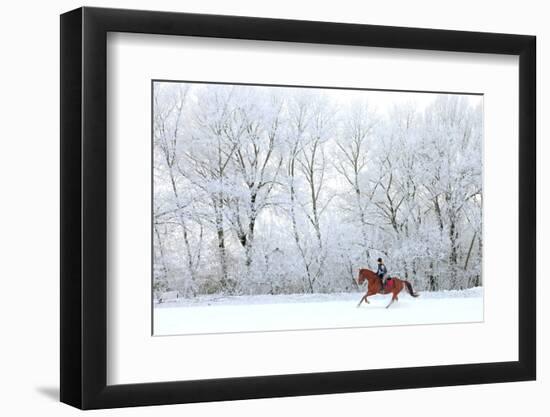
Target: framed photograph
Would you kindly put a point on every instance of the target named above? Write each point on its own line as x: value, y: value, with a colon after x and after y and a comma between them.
x: 257, y: 207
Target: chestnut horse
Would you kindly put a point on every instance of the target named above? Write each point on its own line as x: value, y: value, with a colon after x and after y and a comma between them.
x: 393, y: 286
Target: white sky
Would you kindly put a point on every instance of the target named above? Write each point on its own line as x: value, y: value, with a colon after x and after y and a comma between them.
x: 382, y: 101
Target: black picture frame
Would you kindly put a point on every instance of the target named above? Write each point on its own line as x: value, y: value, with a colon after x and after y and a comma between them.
x: 84, y: 207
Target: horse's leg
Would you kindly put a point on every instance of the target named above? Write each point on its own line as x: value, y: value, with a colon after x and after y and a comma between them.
x: 393, y: 298
x: 368, y: 294
x: 365, y: 299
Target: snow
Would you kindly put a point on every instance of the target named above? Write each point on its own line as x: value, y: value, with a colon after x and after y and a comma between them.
x: 217, y: 314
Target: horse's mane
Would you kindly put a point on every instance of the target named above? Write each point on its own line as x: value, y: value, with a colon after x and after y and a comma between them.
x: 366, y: 274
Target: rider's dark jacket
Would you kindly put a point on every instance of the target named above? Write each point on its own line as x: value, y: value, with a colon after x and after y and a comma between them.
x: 382, y: 270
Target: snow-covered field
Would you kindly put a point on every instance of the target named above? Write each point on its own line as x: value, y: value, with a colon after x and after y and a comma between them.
x: 215, y: 314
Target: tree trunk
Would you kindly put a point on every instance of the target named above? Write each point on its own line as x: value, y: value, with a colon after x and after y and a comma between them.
x: 161, y: 253
x: 470, y: 251
x: 218, y: 209
x: 453, y: 257
x: 309, y: 279
x: 188, y: 250
x: 251, y: 226
x: 362, y: 219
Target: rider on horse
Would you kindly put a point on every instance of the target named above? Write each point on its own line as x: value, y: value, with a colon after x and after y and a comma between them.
x: 382, y: 272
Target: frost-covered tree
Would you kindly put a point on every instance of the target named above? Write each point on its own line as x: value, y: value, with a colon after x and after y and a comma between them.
x: 280, y: 190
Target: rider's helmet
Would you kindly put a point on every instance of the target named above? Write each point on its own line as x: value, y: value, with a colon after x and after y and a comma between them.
x: 379, y: 260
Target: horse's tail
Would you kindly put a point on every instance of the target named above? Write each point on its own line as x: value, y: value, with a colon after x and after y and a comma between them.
x: 410, y: 289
